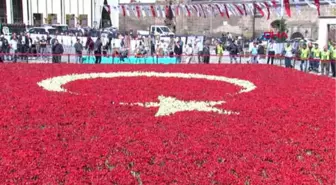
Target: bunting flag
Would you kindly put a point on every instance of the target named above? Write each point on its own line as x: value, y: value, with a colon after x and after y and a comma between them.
x: 128, y: 11
x: 244, y: 7
x: 152, y: 8
x: 123, y: 10
x: 158, y: 11
x: 250, y: 8
x: 168, y: 14
x: 143, y: 11
x: 256, y: 6
x: 210, y: 9
x: 317, y: 3
x: 239, y: 10
x: 226, y: 11
x: 138, y: 11
x: 274, y: 3
x: 287, y: 7
x: 188, y: 10
x: 115, y: 9
x: 177, y: 10
x: 220, y: 10
x: 231, y: 10
x: 162, y: 10
x: 197, y: 11
x: 203, y: 12
x: 268, y: 10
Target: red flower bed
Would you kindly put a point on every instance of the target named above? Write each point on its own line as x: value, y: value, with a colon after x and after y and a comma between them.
x: 284, y: 133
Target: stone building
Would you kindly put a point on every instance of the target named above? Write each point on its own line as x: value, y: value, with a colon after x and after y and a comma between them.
x: 304, y: 19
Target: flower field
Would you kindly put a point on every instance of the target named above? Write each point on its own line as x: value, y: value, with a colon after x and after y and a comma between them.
x: 165, y: 124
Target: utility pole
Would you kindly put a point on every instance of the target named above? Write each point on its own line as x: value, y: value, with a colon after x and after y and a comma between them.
x: 253, y: 22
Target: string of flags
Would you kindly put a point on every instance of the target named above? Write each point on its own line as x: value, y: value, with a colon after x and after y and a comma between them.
x: 264, y: 9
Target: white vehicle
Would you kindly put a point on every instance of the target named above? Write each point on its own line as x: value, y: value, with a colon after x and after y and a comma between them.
x: 161, y: 30
x: 42, y: 30
x: 157, y: 30
x: 60, y: 27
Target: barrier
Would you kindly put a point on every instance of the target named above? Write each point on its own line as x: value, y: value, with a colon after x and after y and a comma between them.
x: 131, y: 60
x: 87, y: 58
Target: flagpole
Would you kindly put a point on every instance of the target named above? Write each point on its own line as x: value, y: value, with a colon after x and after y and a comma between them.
x: 211, y: 20
x: 282, y: 12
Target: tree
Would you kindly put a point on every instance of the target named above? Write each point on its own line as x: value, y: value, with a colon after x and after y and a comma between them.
x: 281, y: 27
x: 105, y: 18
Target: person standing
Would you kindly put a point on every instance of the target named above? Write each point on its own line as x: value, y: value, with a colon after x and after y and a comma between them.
x: 57, y: 51
x: 26, y: 47
x: 79, y: 51
x: 189, y: 53
x: 199, y: 50
x: 304, y: 54
x: 233, y: 49
x: 5, y: 48
x: 98, y: 50
x: 288, y: 53
x: 206, y: 52
x: 271, y: 52
x: 311, y: 57
x: 325, y: 61
x: 219, y: 51
x: 43, y: 48
x: 316, y: 58
x: 333, y: 60
x: 89, y: 46
x: 13, y: 48
x: 178, y: 51
x: 254, y: 53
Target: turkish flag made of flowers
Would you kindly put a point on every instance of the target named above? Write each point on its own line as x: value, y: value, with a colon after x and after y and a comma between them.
x: 159, y: 124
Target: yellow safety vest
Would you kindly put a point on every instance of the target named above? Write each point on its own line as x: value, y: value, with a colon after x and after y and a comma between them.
x: 220, y: 50
x: 304, y: 53
x: 316, y: 52
x: 325, y: 55
x: 334, y: 54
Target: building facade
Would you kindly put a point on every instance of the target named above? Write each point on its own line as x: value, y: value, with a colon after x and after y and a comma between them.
x: 71, y: 12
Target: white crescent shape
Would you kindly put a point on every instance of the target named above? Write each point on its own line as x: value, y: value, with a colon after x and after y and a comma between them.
x: 55, y: 83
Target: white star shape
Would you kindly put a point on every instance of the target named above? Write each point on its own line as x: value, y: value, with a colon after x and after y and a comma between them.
x: 170, y: 105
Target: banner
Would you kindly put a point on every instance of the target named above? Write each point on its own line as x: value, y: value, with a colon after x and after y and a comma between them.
x: 263, y: 8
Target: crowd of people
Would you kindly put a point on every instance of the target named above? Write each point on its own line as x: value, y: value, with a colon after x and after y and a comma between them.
x: 310, y: 56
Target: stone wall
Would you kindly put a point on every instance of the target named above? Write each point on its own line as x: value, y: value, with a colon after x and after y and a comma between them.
x: 304, y: 20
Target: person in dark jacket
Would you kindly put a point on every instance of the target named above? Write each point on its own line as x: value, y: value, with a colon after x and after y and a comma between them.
x: 26, y: 47
x: 4, y: 49
x: 79, y: 51
x: 178, y: 51
x: 57, y: 50
x: 98, y: 50
x: 89, y: 45
x: 233, y: 50
x: 206, y: 52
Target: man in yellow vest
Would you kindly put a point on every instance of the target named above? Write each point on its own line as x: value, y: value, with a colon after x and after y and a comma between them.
x: 219, y: 51
x: 316, y: 58
x: 325, y: 61
x: 288, y: 53
x: 304, y: 54
x: 333, y: 60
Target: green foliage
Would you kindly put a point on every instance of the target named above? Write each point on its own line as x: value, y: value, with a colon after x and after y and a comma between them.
x: 281, y: 26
